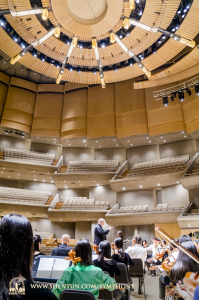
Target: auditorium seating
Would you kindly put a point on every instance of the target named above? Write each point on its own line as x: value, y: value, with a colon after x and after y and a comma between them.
x: 29, y: 157
x: 166, y: 207
x: 23, y: 196
x: 43, y: 234
x: 196, y: 169
x: 46, y: 249
x: 104, y: 166
x: 82, y: 203
x: 153, y: 167
x: 133, y: 209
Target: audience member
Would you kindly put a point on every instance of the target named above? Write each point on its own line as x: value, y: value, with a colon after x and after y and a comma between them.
x: 63, y: 249
x: 37, y: 243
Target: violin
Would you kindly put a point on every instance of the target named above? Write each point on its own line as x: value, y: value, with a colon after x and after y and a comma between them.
x: 73, y: 257
x: 191, y: 280
x: 96, y: 249
x: 56, y: 242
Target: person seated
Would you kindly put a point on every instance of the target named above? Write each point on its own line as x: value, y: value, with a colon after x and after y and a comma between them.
x: 84, y: 275
x: 136, y: 250
x: 155, y: 248
x: 144, y: 244
x: 37, y: 243
x: 63, y: 249
x: 16, y: 258
x: 121, y: 256
x: 107, y: 264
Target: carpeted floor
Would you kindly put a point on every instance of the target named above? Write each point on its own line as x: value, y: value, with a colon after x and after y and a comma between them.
x: 151, y: 287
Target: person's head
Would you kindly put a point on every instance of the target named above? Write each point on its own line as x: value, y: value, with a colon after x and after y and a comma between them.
x: 156, y: 241
x: 37, y: 242
x: 144, y: 243
x: 65, y: 239
x: 16, y: 250
x: 184, y: 238
x: 85, y: 238
x: 84, y: 251
x: 163, y: 242
x: 184, y: 263
x: 120, y: 234
x: 137, y: 239
x: 119, y: 244
x: 104, y: 251
x: 101, y: 222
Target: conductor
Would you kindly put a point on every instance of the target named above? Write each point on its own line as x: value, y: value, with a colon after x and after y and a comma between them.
x: 100, y: 233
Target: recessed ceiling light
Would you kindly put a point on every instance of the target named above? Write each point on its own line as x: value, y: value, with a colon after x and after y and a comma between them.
x: 69, y: 144
x: 147, y: 138
x: 94, y: 181
x: 85, y: 145
x: 100, y: 146
x: 116, y: 145
x: 38, y: 137
x: 182, y: 131
x: 54, y: 142
x: 1, y: 172
x: 131, y: 144
x: 3, y: 168
x: 140, y: 186
x: 98, y: 184
x: 84, y: 141
x: 124, y: 188
x: 8, y: 176
x: 178, y: 181
x: 161, y: 137
x: 114, y: 140
x: 164, y: 141
x: 17, y: 177
x: 35, y: 179
x: 158, y: 184
x: 43, y: 180
x: 128, y: 141
x: 81, y: 184
x: 64, y: 181
x: 96, y: 141
x: 18, y: 174
x: 149, y: 141
x: 185, y: 136
x: 52, y: 181
x: 65, y: 187
x: 33, y: 171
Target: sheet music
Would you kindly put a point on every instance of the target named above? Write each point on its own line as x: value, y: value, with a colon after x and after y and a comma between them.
x: 45, y: 267
x: 59, y: 266
x: 94, y: 256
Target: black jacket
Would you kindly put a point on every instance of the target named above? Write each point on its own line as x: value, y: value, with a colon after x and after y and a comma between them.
x: 61, y: 250
x: 99, y: 234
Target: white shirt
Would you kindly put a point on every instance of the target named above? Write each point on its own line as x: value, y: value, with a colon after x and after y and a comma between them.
x: 137, y: 251
x: 174, y: 256
x: 153, y: 249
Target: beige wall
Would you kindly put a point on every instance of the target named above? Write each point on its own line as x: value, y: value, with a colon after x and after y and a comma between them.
x: 47, y: 148
x: 112, y: 154
x: 12, y: 184
x: 141, y: 154
x: 83, y: 229
x: 133, y: 198
x: 41, y: 186
x: 103, y: 193
x: 77, y: 154
x: 175, y: 195
x: 14, y: 143
x: 74, y: 193
x: 177, y: 148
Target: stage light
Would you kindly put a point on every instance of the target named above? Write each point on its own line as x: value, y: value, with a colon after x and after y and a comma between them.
x: 103, y: 45
x: 44, y: 14
x: 94, y: 71
x: 181, y: 96
x: 131, y: 4
x: 165, y: 100
x: 115, y: 68
x: 57, y: 32
x: 126, y: 23
x: 154, y: 49
x: 130, y: 63
x: 70, y: 69
x: 197, y: 89
x: 94, y: 43
x: 80, y: 46
x: 188, y: 91
x: 172, y: 97
x: 79, y: 70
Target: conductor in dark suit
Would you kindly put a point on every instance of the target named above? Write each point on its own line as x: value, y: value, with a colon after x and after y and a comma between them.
x: 63, y: 249
x: 99, y: 233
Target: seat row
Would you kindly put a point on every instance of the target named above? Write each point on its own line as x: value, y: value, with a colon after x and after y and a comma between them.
x: 43, y: 234
x: 170, y: 160
x: 133, y: 209
x: 30, y: 157
x: 90, y: 204
x: 93, y: 166
x: 166, y: 207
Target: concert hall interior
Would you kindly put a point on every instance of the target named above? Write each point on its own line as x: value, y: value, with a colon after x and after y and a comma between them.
x: 99, y: 149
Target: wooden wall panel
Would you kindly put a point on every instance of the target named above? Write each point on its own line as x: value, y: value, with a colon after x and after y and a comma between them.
x: 191, y: 112
x: 101, y: 111
x: 74, y: 121
x: 19, y: 105
x: 4, y: 82
x: 48, y: 115
x: 171, y: 229
x: 163, y: 119
x: 131, y: 116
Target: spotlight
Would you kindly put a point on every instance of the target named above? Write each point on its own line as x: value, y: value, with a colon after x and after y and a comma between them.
x: 172, y: 98
x: 94, y: 71
x: 79, y: 70
x: 57, y: 66
x: 173, y: 95
x: 115, y: 68
x: 15, y: 38
x: 103, y: 45
x: 80, y: 46
x: 181, y: 96
x: 23, y: 46
x: 197, y: 89
x: 188, y: 91
x: 34, y: 54
x: 154, y: 49
x: 163, y: 37
x: 70, y: 69
x: 121, y: 36
x: 2, y: 23
x: 130, y: 63
x: 165, y: 101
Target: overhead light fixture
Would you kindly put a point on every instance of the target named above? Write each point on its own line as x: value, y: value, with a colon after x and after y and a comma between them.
x: 188, y: 91
x: 165, y: 101
x: 112, y: 37
x: 94, y: 43
x: 181, y: 96
x: 132, y: 4
x: 74, y: 41
x: 197, y: 88
x: 44, y: 14
x: 57, y: 32
x: 115, y: 68
x: 126, y: 23
x: 34, y: 11
x: 95, y: 47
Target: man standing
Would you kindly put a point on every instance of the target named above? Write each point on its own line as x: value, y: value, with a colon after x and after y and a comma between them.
x: 63, y: 249
x: 100, y: 233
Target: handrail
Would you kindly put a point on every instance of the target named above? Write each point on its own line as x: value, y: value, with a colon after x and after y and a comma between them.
x: 189, y: 163
x: 59, y: 163
x: 120, y: 169
x: 54, y: 202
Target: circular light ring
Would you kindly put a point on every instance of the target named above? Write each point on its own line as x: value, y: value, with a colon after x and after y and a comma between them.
x: 119, y: 65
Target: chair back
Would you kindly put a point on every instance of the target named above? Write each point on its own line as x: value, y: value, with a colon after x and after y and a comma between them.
x: 123, y: 277
x: 105, y: 295
x: 76, y: 295
x: 136, y: 270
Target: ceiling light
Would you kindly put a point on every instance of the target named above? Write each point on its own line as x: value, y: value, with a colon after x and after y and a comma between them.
x: 115, y: 68
x: 116, y: 145
x: 185, y: 136
x: 57, y: 32
x: 132, y: 4
x: 103, y: 45
x: 197, y: 88
x: 140, y: 186
x: 35, y: 179
x: 100, y: 146
x: 178, y: 181
x: 124, y: 188
x: 98, y: 184
x: 112, y: 38
x: 126, y: 23
x: 161, y: 137
x: 96, y: 141
x: 181, y: 96
x: 94, y: 71
x: 164, y: 141
x: 70, y: 69
x: 188, y: 91
x: 131, y: 144
x: 149, y: 141
x: 158, y: 184
x: 165, y: 100
x: 44, y: 14
x: 3, y: 168
x: 52, y: 181
x: 43, y: 180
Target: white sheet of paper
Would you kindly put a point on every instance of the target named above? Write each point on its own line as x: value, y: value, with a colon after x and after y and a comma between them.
x: 45, y: 267
x: 59, y: 266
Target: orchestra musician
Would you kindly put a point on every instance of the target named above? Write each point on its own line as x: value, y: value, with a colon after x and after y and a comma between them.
x: 16, y: 258
x: 99, y: 233
x: 63, y: 249
x: 84, y: 275
x: 108, y: 264
x: 155, y: 260
x: 37, y: 243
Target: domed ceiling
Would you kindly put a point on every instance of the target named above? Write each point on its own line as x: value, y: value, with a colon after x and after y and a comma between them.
x: 97, y: 42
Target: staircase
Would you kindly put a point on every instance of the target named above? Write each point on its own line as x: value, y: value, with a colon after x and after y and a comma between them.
x: 58, y: 205
x: 63, y: 169
x: 55, y: 161
x: 50, y: 199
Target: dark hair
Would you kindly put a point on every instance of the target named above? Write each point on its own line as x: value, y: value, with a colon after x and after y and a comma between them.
x: 119, y: 244
x: 120, y: 234
x: 85, y: 238
x: 184, y: 238
x: 16, y: 250
x: 37, y: 239
x: 84, y: 251
x: 184, y: 263
x: 137, y: 238
x: 105, y: 251
x: 164, y: 241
